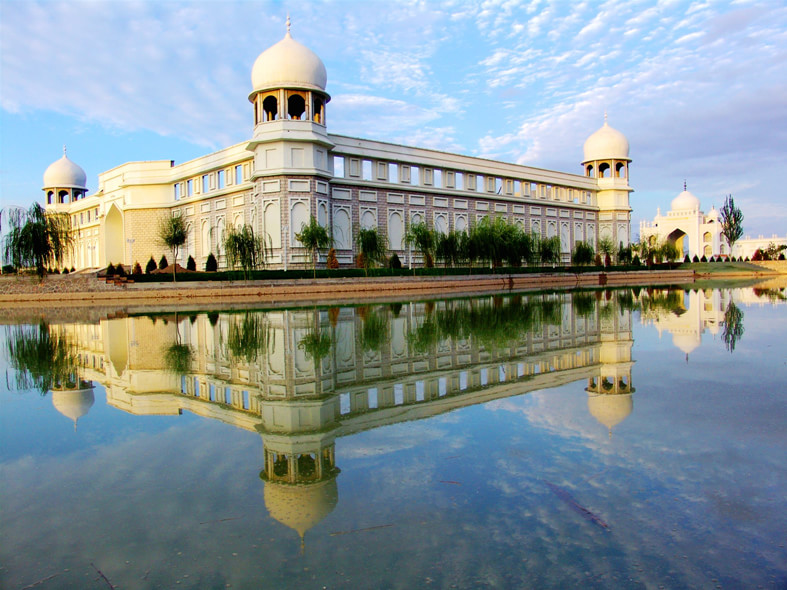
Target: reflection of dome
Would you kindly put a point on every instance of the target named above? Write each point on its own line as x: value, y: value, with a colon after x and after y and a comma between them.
x: 63, y: 173
x: 687, y: 342
x: 301, y: 506
x: 685, y: 201
x: 606, y: 143
x: 288, y: 64
x: 73, y: 403
x: 610, y: 409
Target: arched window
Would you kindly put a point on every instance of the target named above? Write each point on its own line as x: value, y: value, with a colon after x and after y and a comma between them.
x: 590, y: 171
x: 706, y: 237
x: 620, y: 169
x: 317, y: 110
x: 62, y: 197
x: 271, y: 108
x: 49, y: 196
x: 604, y: 170
x: 296, y: 106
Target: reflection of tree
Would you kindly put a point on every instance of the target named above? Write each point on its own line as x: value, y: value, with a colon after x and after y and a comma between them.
x: 584, y: 303
x: 43, y: 359
x: 249, y: 336
x: 500, y: 323
x: 656, y: 303
x: 733, y: 326
x: 374, y: 331
x: 177, y: 358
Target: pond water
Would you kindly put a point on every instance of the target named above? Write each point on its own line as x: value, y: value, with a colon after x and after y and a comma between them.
x: 622, y: 438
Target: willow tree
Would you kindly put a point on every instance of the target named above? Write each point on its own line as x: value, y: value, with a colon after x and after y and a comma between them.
x: 371, y: 248
x: 37, y: 239
x: 314, y: 238
x: 244, y: 249
x: 172, y: 234
x: 423, y: 239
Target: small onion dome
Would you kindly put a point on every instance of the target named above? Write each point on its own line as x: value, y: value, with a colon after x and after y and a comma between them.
x: 713, y: 214
x: 288, y: 64
x: 685, y: 201
x: 301, y: 506
x: 63, y: 173
x: 610, y: 409
x: 73, y: 403
x: 606, y: 144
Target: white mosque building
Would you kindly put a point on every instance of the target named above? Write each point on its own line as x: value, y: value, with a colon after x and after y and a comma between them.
x: 292, y: 168
x: 696, y: 233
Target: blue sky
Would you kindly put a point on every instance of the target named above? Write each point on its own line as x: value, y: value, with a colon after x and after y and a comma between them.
x: 697, y: 87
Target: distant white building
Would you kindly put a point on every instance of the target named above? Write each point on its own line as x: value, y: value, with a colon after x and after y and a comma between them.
x: 696, y: 233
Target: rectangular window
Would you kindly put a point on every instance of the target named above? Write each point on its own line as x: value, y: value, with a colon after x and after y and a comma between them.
x: 177, y: 191
x: 238, y: 174
x: 190, y: 188
x: 438, y: 178
x: 366, y: 170
x: 220, y: 178
x: 372, y: 397
x: 393, y: 172
x: 338, y: 166
x: 81, y: 218
x: 88, y: 216
x: 415, y: 175
x: 460, y: 181
x: 96, y: 212
x: 246, y: 404
x: 205, y: 183
x: 227, y: 396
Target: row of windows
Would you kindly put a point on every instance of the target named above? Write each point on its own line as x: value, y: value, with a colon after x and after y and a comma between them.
x: 346, y: 167
x: 84, y: 217
x: 208, y: 182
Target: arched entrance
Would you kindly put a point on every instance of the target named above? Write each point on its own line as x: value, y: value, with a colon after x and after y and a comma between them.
x: 681, y: 241
x: 113, y: 236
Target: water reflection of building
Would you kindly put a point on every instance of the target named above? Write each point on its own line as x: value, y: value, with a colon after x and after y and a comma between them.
x: 272, y: 373
x: 74, y: 402
x: 686, y: 315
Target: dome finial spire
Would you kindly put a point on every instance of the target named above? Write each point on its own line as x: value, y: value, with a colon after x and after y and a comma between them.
x: 288, y: 23
x: 684, y: 184
x: 64, y: 150
x: 605, y: 116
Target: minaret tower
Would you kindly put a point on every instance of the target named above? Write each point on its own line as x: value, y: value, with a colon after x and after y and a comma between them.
x: 607, y: 160
x: 64, y: 182
x: 289, y: 100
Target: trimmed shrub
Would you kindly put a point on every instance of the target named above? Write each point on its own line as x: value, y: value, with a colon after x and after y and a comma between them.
x: 120, y: 271
x: 695, y: 259
x: 211, y: 265
x: 191, y: 264
x: 332, y: 262
x: 394, y: 261
x: 65, y: 271
x: 137, y: 270
x: 686, y: 259
x: 162, y: 264
x: 150, y: 266
x: 636, y: 261
x: 110, y: 270
x: 73, y: 269
x: 703, y: 259
x: 56, y: 271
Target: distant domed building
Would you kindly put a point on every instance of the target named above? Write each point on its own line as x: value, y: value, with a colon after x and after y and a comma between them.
x: 292, y: 168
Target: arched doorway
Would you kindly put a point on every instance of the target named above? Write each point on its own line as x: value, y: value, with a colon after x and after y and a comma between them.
x: 681, y: 241
x: 114, y: 237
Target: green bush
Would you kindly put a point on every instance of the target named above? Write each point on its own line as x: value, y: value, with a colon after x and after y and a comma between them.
x: 150, y: 266
x: 210, y: 264
x: 695, y: 259
x: 162, y: 264
x: 191, y: 264
x: 137, y: 270
x: 120, y: 271
x: 394, y: 262
x: 65, y: 271
x: 110, y: 270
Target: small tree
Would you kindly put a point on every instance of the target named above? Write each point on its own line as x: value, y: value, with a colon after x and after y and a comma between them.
x: 162, y: 263
x: 332, y: 262
x: 172, y: 234
x: 150, y: 266
x: 423, y: 239
x: 550, y: 250
x: 191, y: 264
x: 394, y: 262
x: 371, y: 247
x: 37, y: 238
x: 314, y: 238
x: 669, y: 251
x: 731, y: 220
x: 210, y: 264
x: 583, y: 254
x: 137, y: 269
x: 607, y: 248
x: 244, y: 249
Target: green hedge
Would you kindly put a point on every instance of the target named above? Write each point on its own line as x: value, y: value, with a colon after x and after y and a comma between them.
x: 272, y: 275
